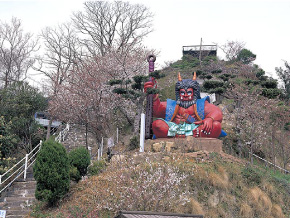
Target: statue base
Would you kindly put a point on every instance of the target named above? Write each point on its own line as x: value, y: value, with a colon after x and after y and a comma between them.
x: 184, y: 145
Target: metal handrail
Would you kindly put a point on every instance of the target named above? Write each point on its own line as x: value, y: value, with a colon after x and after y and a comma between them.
x: 286, y: 171
x: 23, y: 168
x: 11, y: 169
x: 62, y: 134
x: 11, y: 181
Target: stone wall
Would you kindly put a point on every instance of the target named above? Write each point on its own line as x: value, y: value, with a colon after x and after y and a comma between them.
x: 184, y: 145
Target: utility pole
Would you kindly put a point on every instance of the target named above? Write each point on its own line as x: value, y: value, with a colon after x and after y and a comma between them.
x: 200, y: 51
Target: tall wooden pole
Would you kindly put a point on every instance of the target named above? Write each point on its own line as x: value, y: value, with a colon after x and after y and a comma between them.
x: 200, y: 51
x: 149, y: 103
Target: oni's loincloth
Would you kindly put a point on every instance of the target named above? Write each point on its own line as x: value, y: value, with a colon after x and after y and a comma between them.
x: 180, y: 129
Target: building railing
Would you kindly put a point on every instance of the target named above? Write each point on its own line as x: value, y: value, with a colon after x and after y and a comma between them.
x: 198, y: 48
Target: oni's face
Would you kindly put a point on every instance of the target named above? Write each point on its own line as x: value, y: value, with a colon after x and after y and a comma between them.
x: 186, y: 94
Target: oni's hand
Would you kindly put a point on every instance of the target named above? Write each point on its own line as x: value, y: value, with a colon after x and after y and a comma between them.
x: 207, y: 125
x: 150, y: 84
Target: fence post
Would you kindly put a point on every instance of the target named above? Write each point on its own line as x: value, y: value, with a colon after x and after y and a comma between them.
x: 99, y: 154
x: 117, y: 135
x: 102, y: 146
x: 142, y: 132
x: 25, y: 168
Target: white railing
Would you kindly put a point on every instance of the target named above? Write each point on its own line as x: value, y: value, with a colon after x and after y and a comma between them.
x: 19, y: 168
x: 61, y: 136
x: 268, y: 162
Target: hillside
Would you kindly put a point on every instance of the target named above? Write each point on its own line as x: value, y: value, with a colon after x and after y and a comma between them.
x: 214, y: 185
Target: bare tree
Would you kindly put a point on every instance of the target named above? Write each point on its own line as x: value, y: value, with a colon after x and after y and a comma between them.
x: 232, y: 49
x: 62, y: 53
x: 106, y: 24
x: 16, y: 51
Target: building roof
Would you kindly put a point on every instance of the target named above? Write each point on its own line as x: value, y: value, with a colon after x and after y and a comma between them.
x: 147, y: 214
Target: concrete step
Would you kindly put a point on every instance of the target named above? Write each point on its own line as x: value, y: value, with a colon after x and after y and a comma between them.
x: 17, y: 212
x: 15, y: 216
x: 21, y: 193
x: 29, y: 177
x: 16, y: 208
x: 17, y: 199
x: 24, y: 185
x: 22, y: 204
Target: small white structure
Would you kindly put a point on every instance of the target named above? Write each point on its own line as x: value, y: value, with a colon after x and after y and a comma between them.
x: 2, y: 213
x: 42, y: 119
x: 142, y: 132
x: 211, y: 96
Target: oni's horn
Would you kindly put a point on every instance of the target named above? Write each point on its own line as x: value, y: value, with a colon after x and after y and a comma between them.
x: 194, y: 76
x: 179, y: 77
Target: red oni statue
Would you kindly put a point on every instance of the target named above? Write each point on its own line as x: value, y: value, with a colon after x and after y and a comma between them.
x: 189, y: 115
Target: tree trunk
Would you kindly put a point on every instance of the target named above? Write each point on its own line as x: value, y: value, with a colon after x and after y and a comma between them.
x: 48, y: 129
x: 252, y: 136
x: 87, y: 146
x: 273, y: 146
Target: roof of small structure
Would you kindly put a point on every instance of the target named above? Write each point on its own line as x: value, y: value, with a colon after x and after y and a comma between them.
x: 147, y: 214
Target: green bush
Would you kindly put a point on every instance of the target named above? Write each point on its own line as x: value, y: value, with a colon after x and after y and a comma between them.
x: 74, y: 174
x: 271, y: 93
x: 216, y: 71
x: 97, y: 167
x: 246, y: 56
x: 51, y: 172
x: 134, y: 143
x: 80, y: 158
x: 187, y: 62
x: 212, y: 84
x: 251, y: 176
x: 270, y: 84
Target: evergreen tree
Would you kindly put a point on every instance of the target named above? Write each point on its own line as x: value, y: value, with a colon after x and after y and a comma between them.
x: 51, y: 172
x: 284, y: 75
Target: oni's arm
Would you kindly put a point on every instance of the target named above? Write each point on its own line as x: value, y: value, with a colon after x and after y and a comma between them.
x: 213, y: 112
x: 159, y: 108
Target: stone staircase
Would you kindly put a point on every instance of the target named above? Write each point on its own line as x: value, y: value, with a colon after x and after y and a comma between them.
x: 76, y: 137
x: 19, y: 197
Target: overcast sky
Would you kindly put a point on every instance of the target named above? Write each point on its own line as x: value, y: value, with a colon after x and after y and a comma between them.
x: 262, y: 24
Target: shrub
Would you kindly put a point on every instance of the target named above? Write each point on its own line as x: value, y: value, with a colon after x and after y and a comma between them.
x: 271, y: 93
x: 212, y: 84
x: 51, y: 172
x: 216, y: 71
x: 270, y: 84
x: 134, y: 143
x: 251, y: 176
x: 74, y: 174
x: 80, y: 158
x: 97, y: 167
x: 246, y: 56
